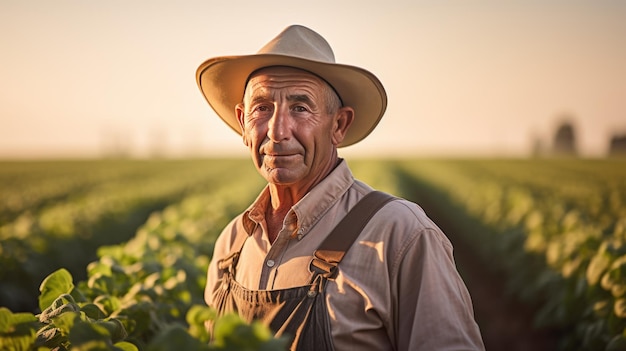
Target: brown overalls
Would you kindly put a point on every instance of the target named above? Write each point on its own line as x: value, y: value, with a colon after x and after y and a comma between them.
x: 298, y: 313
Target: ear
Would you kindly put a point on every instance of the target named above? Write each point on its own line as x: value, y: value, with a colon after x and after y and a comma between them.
x: 343, y: 120
x: 240, y: 113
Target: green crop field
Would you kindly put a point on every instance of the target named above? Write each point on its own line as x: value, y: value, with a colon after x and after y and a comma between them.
x: 113, y: 254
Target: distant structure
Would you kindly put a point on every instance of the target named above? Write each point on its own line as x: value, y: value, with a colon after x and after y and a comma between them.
x: 617, y: 145
x: 564, y: 143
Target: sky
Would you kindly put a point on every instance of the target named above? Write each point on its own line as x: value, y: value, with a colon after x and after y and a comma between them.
x: 464, y: 78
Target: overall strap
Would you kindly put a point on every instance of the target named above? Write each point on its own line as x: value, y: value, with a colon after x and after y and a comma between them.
x: 333, y: 248
x: 230, y: 262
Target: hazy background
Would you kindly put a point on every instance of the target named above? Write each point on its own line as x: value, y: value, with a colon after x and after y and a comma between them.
x: 117, y: 77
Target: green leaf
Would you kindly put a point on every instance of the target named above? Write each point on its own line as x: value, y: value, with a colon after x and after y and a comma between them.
x: 196, y: 318
x: 142, y: 312
x: 602, y: 308
x: 620, y: 308
x: 49, y: 336
x: 17, y: 342
x: 6, y: 320
x: 101, y: 282
x: 17, y: 330
x: 261, y: 332
x: 116, y: 329
x: 85, y: 333
x: 175, y: 338
x: 93, y: 345
x: 126, y: 346
x: 225, y: 327
x: 618, y: 290
x: 232, y: 332
x: 598, y: 265
x: 198, y: 314
x: 108, y: 304
x: 92, y: 311
x: 9, y: 320
x: 62, y: 304
x: 65, y: 322
x: 58, y: 283
x: 99, y: 267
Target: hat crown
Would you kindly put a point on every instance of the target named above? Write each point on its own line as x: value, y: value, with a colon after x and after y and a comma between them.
x: 301, y: 42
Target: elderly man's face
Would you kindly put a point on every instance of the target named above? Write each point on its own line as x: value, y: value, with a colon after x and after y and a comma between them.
x: 288, y: 127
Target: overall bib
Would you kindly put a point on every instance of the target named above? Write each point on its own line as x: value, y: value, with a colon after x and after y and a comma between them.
x: 299, y: 313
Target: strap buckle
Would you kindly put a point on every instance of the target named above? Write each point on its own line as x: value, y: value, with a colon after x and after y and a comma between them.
x: 229, y: 263
x: 323, y: 268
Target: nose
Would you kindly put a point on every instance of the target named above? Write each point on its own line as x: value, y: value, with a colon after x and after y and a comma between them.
x: 279, y: 126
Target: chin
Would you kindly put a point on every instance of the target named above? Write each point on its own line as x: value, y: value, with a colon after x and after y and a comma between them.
x: 281, y: 176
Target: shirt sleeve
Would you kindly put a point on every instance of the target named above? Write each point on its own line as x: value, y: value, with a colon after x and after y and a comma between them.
x: 434, y: 308
x: 222, y: 248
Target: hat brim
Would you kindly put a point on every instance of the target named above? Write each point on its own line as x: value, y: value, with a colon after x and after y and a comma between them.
x: 222, y: 82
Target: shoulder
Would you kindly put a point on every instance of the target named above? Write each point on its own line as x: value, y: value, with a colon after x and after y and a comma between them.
x: 227, y: 237
x: 404, y: 225
x: 408, y: 214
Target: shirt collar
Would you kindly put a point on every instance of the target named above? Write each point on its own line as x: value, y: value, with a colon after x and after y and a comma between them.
x: 311, y: 207
x: 255, y: 213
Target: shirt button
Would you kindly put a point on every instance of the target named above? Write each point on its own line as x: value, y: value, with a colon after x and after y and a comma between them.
x: 270, y: 263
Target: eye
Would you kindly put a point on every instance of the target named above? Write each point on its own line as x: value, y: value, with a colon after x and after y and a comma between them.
x: 300, y: 109
x: 261, y: 109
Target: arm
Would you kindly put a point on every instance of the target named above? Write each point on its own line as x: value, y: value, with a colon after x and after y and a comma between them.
x: 222, y: 248
x: 433, y: 307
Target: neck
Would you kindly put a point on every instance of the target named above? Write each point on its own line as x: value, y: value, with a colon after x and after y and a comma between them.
x: 274, y: 219
x: 284, y: 197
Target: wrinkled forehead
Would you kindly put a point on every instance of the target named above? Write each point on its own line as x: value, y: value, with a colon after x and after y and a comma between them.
x: 282, y: 73
x: 284, y: 76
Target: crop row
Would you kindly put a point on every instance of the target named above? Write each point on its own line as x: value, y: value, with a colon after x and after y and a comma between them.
x: 57, y: 214
x: 556, y: 228
x: 147, y: 293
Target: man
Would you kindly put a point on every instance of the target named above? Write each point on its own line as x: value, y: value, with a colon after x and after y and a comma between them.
x: 396, y: 287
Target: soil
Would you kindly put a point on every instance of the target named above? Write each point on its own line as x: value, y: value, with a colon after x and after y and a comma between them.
x: 505, y: 323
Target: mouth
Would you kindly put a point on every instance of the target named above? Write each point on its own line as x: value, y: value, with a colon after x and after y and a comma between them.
x: 280, y: 157
x: 271, y: 154
x: 279, y: 154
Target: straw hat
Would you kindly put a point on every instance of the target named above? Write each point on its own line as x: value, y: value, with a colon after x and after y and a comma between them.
x: 222, y: 79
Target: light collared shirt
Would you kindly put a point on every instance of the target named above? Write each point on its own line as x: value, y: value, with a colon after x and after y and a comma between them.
x: 397, y: 288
